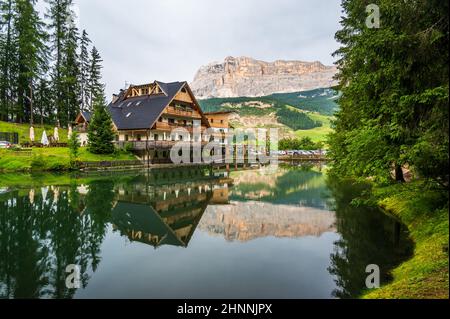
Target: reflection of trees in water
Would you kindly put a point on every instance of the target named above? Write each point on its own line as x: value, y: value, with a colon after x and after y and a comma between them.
x: 41, y: 234
x: 368, y: 236
x: 297, y: 185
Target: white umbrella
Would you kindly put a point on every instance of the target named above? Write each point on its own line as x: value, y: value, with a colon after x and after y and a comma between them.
x: 44, y: 139
x: 31, y: 196
x: 32, y: 134
x: 44, y: 191
x: 69, y: 132
x: 56, y: 134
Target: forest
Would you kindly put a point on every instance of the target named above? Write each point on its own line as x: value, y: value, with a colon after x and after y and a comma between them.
x: 49, y: 69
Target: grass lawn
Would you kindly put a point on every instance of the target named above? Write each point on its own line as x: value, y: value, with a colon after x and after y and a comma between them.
x: 425, y: 213
x: 51, y: 159
x: 318, y: 134
x: 24, y: 131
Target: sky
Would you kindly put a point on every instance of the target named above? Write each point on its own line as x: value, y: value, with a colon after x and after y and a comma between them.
x: 168, y: 40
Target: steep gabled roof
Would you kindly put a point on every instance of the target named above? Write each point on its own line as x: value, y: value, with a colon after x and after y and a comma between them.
x: 86, y: 115
x: 142, y: 112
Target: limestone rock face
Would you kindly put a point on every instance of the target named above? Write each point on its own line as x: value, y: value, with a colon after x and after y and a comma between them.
x: 245, y: 221
x: 243, y: 76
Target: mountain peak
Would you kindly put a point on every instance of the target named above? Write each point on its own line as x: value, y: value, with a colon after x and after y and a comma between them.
x: 246, y: 76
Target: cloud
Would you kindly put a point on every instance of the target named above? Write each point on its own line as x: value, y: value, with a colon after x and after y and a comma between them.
x: 143, y: 40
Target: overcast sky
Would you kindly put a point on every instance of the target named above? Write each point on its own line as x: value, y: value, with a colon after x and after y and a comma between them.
x: 168, y: 40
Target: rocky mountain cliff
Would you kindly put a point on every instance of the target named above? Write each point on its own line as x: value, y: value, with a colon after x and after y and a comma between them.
x: 244, y: 221
x: 243, y: 76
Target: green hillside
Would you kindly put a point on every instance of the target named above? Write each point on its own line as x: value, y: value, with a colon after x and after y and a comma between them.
x: 304, y: 114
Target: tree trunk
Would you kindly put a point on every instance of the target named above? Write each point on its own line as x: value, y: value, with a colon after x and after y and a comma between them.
x: 399, y: 174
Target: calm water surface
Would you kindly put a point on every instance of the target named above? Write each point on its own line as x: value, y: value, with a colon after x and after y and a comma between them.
x: 289, y: 232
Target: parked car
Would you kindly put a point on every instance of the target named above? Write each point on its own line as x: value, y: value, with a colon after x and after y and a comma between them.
x: 5, y: 144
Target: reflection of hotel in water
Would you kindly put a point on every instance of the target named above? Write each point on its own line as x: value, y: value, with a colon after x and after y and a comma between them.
x: 167, y: 205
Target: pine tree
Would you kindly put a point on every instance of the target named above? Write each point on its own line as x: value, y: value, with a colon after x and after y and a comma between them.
x: 70, y: 74
x: 394, y: 107
x: 8, y: 53
x: 58, y: 14
x: 42, y: 102
x: 95, y: 86
x: 100, y: 132
x: 32, y: 55
x: 85, y: 64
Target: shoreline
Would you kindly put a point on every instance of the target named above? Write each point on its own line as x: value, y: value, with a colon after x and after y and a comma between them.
x: 425, y: 275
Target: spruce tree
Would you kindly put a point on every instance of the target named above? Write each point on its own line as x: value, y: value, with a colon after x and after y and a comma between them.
x: 31, y: 57
x: 8, y: 54
x: 394, y: 107
x: 95, y: 87
x: 58, y: 14
x: 100, y: 131
x: 70, y: 74
x: 85, y: 64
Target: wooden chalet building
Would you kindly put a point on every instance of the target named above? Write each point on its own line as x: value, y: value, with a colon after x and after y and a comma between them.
x: 146, y: 115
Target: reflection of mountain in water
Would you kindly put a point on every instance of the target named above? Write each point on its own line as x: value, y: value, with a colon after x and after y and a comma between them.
x: 283, y: 203
x: 245, y: 221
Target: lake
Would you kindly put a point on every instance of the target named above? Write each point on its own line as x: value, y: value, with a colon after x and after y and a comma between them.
x: 283, y: 232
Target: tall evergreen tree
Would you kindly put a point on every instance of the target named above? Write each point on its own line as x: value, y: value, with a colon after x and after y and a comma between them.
x: 58, y: 14
x: 394, y: 79
x: 70, y: 73
x: 32, y: 55
x: 8, y: 53
x: 101, y: 134
x: 95, y: 87
x: 85, y: 65
x: 43, y: 102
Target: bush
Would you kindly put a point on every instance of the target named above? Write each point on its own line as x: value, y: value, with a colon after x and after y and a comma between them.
x: 128, y: 147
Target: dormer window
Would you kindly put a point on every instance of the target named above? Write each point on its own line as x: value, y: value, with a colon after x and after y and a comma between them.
x: 128, y: 115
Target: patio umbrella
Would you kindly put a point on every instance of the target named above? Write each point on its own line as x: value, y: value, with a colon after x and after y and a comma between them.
x: 32, y: 134
x: 44, y: 139
x: 56, y: 134
x: 31, y: 196
x: 69, y: 132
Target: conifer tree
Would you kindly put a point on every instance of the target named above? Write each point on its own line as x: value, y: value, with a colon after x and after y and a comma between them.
x: 100, y: 131
x: 95, y: 87
x: 31, y: 57
x: 85, y: 64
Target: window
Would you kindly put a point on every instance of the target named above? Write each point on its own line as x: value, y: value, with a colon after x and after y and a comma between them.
x: 129, y: 104
x: 117, y: 138
x: 156, y: 137
x: 139, y: 137
x: 128, y: 115
x: 126, y: 138
x: 212, y: 121
x: 171, y: 121
x: 221, y: 121
x: 138, y: 103
x: 180, y: 137
x: 160, y: 119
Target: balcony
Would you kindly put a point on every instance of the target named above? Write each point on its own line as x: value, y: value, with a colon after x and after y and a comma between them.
x: 144, y: 145
x: 164, y: 126
x: 181, y: 112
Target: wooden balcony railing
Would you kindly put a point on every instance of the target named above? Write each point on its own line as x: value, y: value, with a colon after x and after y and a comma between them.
x: 180, y: 112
